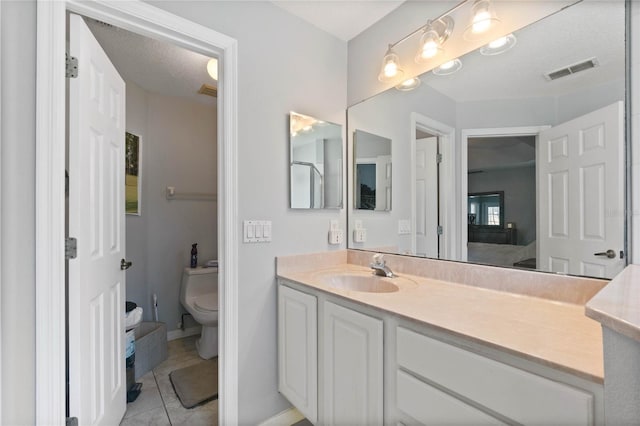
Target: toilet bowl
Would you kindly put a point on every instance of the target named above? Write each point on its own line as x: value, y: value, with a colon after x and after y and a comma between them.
x: 199, y: 296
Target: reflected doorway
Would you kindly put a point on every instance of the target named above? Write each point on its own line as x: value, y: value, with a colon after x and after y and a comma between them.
x: 501, y: 200
x: 427, y: 194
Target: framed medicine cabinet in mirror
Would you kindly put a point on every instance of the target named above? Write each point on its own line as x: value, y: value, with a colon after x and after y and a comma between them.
x: 315, y: 163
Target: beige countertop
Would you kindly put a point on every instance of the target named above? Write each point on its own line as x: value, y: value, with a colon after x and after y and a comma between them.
x: 550, y: 332
x: 617, y: 306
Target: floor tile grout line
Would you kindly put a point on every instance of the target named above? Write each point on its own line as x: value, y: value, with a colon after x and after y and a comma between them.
x: 164, y: 404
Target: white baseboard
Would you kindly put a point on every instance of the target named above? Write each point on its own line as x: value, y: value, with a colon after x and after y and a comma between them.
x: 179, y: 334
x: 285, y: 418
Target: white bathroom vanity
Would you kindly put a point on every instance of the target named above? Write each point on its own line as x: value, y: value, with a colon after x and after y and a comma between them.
x: 452, y: 343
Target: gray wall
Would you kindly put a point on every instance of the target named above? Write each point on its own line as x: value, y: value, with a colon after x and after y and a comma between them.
x: 179, y: 148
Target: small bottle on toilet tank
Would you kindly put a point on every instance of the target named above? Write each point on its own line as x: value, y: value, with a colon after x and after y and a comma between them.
x: 194, y: 255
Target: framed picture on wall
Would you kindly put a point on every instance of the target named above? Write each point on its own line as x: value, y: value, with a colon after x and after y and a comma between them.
x: 132, y: 179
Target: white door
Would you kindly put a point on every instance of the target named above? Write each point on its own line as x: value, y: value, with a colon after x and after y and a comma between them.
x: 383, y: 182
x: 353, y: 368
x: 426, y: 226
x: 97, y: 385
x: 581, y: 194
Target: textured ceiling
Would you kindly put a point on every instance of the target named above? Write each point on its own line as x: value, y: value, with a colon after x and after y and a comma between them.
x: 154, y: 65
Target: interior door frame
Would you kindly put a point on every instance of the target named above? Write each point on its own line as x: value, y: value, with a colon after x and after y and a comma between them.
x: 446, y: 139
x: 150, y: 21
x: 464, y: 163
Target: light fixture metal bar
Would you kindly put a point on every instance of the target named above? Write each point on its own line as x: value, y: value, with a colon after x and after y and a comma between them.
x: 428, y: 24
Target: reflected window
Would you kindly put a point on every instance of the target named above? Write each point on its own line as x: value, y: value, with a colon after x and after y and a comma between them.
x: 486, y: 208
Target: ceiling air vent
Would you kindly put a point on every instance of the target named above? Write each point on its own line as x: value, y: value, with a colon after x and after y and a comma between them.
x: 572, y: 69
x: 208, y: 90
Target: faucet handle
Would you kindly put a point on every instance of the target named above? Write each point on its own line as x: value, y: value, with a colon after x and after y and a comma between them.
x: 378, y: 259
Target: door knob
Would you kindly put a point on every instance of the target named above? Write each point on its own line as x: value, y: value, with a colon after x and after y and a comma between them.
x: 609, y: 253
x: 124, y: 265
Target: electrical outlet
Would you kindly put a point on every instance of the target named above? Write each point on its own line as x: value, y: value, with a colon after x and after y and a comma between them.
x: 336, y: 236
x: 359, y: 235
x: 404, y: 227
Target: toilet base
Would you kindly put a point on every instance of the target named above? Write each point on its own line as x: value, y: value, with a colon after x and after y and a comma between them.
x: 207, y: 344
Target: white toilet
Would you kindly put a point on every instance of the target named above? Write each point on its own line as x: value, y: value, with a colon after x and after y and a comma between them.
x: 199, y: 296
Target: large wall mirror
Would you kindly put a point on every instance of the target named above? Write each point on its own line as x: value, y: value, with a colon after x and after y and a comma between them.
x: 316, y: 163
x: 540, y: 125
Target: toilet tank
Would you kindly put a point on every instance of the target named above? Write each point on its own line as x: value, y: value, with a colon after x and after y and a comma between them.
x: 198, y: 281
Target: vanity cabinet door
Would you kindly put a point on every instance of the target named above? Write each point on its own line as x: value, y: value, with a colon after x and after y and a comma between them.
x: 353, y: 367
x: 297, y: 350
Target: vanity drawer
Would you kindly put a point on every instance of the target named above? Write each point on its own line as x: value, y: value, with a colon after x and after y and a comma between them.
x: 431, y: 406
x: 516, y: 394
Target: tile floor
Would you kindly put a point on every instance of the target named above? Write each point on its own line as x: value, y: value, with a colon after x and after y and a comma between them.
x: 158, y: 403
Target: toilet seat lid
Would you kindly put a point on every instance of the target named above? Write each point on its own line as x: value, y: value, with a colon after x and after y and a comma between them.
x: 207, y: 302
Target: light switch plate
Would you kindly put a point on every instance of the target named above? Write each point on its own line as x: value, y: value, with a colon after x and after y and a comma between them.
x: 256, y: 231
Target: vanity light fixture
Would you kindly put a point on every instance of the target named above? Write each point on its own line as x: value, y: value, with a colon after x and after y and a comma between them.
x: 448, y: 67
x: 483, y: 18
x: 390, y: 66
x: 434, y: 34
x: 409, y: 84
x: 499, y: 46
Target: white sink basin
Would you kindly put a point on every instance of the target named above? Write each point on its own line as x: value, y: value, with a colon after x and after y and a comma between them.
x: 363, y: 283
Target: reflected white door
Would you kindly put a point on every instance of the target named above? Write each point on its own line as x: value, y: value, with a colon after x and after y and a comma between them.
x: 383, y: 182
x: 581, y: 194
x: 426, y: 226
x: 97, y: 388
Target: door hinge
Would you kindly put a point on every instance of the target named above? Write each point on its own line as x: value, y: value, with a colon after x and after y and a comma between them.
x: 72, y: 421
x: 71, y: 66
x: 438, y: 158
x: 440, y: 230
x: 70, y: 248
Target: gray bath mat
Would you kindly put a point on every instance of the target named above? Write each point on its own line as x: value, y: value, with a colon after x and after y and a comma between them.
x: 197, y: 384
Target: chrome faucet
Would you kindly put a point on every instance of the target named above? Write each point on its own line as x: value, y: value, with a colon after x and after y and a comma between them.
x: 379, y: 266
